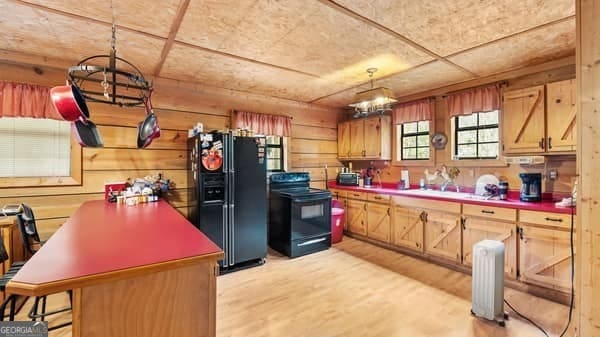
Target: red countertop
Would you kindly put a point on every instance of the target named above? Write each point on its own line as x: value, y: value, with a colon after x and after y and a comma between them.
x: 103, y: 237
x: 512, y: 202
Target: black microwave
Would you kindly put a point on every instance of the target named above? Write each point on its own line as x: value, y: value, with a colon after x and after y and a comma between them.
x: 347, y: 179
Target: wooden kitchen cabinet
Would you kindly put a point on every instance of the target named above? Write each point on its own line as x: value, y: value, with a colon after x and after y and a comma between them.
x: 356, y: 216
x: 357, y: 138
x: 523, y: 121
x: 476, y: 229
x: 545, y: 257
x: 561, y: 113
x: 407, y: 227
x: 365, y: 138
x: 443, y: 235
x: 378, y: 222
x: 344, y: 140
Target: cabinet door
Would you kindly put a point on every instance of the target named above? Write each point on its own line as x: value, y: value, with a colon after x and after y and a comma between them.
x: 560, y: 116
x: 545, y: 257
x: 407, y: 227
x: 442, y: 235
x: 378, y: 222
x: 477, y: 229
x: 357, y: 138
x: 523, y: 121
x: 372, y: 139
x: 356, y: 216
x: 344, y: 140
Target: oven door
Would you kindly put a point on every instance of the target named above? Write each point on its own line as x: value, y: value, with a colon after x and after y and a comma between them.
x: 311, y: 216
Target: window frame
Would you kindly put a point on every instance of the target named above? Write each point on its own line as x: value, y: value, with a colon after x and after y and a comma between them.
x: 280, y: 146
x: 416, y: 135
x: 74, y: 179
x: 397, y: 145
x: 457, y: 129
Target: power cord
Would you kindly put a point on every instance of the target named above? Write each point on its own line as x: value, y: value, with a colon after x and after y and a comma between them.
x: 572, y: 282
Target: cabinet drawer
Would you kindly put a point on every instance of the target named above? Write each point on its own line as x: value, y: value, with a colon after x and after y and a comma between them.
x: 497, y: 213
x: 446, y: 206
x: 380, y: 198
x: 338, y: 194
x: 356, y: 195
x: 545, y: 218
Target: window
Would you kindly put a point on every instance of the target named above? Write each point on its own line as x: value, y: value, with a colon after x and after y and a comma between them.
x: 476, y: 136
x: 275, y: 154
x: 37, y: 152
x: 414, y: 141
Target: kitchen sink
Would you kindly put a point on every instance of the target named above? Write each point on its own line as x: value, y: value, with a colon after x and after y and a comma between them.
x: 447, y: 194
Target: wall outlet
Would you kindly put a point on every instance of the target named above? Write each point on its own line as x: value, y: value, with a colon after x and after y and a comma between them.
x: 553, y: 174
x: 471, y: 173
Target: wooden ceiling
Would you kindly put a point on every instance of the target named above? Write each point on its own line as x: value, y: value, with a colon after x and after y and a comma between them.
x: 304, y: 50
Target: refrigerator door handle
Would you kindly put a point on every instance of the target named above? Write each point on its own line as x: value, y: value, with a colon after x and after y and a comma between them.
x: 225, y: 238
x: 232, y: 233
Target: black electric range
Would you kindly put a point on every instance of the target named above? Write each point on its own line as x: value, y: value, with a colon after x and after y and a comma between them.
x: 299, y: 216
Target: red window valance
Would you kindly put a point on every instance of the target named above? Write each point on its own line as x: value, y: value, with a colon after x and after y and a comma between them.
x: 26, y: 100
x: 421, y: 110
x: 270, y: 125
x: 474, y: 100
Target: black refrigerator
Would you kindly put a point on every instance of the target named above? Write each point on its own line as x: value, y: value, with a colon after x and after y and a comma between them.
x: 227, y: 183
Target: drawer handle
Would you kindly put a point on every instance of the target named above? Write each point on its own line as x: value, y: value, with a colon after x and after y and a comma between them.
x: 554, y: 219
x: 487, y: 212
x: 377, y: 198
x: 356, y: 195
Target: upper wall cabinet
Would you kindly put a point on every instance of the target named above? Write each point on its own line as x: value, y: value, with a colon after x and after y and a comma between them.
x: 562, y: 108
x: 366, y: 138
x: 540, y: 119
x: 523, y: 121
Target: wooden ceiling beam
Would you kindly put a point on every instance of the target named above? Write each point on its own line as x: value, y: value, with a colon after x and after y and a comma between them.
x: 181, y: 10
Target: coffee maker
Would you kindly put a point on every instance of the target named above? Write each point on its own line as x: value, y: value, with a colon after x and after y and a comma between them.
x: 531, y: 189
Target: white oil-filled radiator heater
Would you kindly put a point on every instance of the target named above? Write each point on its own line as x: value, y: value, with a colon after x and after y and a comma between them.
x: 488, y: 281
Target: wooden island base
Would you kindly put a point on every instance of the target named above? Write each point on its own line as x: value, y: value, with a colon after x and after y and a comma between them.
x: 179, y: 302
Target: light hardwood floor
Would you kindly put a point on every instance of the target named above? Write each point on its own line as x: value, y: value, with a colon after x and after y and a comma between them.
x: 356, y: 289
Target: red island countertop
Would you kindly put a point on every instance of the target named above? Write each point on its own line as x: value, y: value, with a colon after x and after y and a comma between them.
x: 512, y: 202
x: 104, y: 241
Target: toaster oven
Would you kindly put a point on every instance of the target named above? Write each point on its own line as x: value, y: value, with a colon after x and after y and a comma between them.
x: 347, y: 179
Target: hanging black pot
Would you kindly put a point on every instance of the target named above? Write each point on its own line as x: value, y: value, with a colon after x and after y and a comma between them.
x: 148, y: 129
x: 87, y: 134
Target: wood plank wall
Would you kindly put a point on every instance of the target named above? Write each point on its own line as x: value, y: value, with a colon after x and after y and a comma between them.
x: 178, y: 106
x: 587, y: 273
x: 565, y: 166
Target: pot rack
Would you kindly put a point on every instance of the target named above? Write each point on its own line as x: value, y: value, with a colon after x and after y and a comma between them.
x: 120, y: 84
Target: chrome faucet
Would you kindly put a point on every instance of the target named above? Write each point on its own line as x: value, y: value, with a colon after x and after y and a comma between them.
x: 449, y: 182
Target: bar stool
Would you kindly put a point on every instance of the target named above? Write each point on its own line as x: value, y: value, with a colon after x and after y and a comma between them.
x: 12, y: 298
x: 32, y: 243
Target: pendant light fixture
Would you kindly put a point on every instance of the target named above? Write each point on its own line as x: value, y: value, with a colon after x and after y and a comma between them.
x: 374, y: 100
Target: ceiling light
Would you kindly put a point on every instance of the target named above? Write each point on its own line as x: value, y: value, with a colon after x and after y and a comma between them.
x: 374, y: 100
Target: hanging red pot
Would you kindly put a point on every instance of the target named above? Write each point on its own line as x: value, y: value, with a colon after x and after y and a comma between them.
x: 70, y: 103
x: 148, y: 129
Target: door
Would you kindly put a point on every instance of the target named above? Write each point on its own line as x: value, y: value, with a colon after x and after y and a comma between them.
x: 442, y: 235
x: 560, y: 116
x: 248, y: 190
x: 407, y: 227
x: 212, y: 222
x: 357, y: 138
x: 477, y: 229
x: 523, y: 121
x: 344, y: 140
x: 372, y: 138
x: 545, y: 257
x: 378, y: 222
x: 356, y: 216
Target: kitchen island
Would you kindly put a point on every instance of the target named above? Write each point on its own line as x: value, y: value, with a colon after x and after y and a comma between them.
x: 134, y: 270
